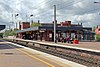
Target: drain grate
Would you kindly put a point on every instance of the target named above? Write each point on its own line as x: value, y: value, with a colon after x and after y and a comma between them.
x: 8, y: 53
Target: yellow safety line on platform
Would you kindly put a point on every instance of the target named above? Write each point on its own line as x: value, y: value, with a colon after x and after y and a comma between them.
x: 63, y: 65
x: 36, y: 58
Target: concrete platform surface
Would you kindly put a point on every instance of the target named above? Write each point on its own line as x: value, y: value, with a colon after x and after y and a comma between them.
x: 88, y: 45
x: 14, y: 55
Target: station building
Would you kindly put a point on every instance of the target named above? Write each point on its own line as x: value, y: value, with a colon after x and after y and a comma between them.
x: 63, y: 30
x: 97, y: 29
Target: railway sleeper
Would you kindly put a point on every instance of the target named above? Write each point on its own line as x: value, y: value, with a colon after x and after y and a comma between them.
x: 70, y: 56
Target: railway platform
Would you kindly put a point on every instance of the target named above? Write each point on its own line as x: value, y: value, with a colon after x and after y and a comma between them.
x: 86, y: 45
x: 81, y: 53
x: 14, y: 55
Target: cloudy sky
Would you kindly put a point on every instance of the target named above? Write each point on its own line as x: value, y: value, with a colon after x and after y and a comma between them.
x: 77, y: 11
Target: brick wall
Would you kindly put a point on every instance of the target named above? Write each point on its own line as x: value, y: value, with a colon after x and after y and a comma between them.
x: 24, y: 25
x: 66, y: 23
x: 98, y: 30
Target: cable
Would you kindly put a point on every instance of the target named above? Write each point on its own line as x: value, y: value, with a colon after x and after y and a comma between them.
x: 90, y: 10
x: 81, y: 9
x: 44, y: 10
x: 52, y: 6
x: 64, y: 6
x: 70, y: 4
x: 43, y: 2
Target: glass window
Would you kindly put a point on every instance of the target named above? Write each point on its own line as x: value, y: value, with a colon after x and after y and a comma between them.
x: 99, y: 30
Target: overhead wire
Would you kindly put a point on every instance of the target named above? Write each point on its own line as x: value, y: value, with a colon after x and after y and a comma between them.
x: 59, y: 4
x: 68, y: 4
x: 48, y: 10
x: 89, y: 11
x: 64, y: 7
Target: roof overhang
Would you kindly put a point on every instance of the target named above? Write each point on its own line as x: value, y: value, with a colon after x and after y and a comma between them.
x: 28, y: 29
x: 2, y: 27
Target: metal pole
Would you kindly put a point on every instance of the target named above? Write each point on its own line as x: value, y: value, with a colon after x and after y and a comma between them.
x: 9, y: 27
x: 12, y: 17
x: 26, y: 17
x: 16, y: 25
x: 16, y: 15
x: 55, y: 24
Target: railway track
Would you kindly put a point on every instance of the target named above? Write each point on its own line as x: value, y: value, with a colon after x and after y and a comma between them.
x: 78, y: 58
x: 87, y: 58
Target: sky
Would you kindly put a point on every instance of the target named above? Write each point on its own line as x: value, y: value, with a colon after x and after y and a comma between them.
x: 77, y: 11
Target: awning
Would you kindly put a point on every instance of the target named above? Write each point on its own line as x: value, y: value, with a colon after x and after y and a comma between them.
x: 28, y: 29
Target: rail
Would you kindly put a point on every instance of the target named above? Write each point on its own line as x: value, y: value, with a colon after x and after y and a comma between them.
x: 83, y: 56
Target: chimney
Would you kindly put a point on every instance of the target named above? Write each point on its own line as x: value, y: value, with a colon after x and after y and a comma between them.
x: 97, y: 26
x: 19, y: 25
x: 78, y: 23
x: 69, y: 23
x: 31, y: 21
x: 38, y: 21
x: 81, y: 23
x: 53, y: 22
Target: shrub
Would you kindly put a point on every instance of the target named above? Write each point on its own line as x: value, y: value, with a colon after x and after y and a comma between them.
x: 10, y: 33
x: 98, y: 37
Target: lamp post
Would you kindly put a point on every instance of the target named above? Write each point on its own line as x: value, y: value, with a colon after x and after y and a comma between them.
x: 97, y: 2
x: 30, y: 18
x: 99, y: 14
x: 12, y: 21
x: 15, y: 18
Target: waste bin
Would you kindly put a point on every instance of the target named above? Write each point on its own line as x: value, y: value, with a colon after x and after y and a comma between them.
x: 76, y: 42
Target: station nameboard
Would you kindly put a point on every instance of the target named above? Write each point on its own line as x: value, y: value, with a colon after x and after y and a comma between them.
x: 2, y: 27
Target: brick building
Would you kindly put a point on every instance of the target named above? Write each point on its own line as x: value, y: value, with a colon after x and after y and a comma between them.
x: 97, y: 29
x: 24, y: 25
x: 63, y: 30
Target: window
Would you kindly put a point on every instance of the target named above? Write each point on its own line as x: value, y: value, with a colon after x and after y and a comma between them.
x: 99, y: 30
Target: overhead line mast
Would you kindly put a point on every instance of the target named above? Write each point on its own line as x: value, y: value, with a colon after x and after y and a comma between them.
x: 55, y: 23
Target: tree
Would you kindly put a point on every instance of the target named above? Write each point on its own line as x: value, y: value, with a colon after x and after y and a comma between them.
x: 94, y: 28
x: 1, y: 35
x: 10, y: 32
x: 98, y: 37
x: 35, y: 24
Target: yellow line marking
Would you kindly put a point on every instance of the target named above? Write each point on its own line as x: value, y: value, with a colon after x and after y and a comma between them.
x: 57, y: 62
x: 46, y: 58
x: 36, y: 58
x: 33, y: 57
x: 27, y: 53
